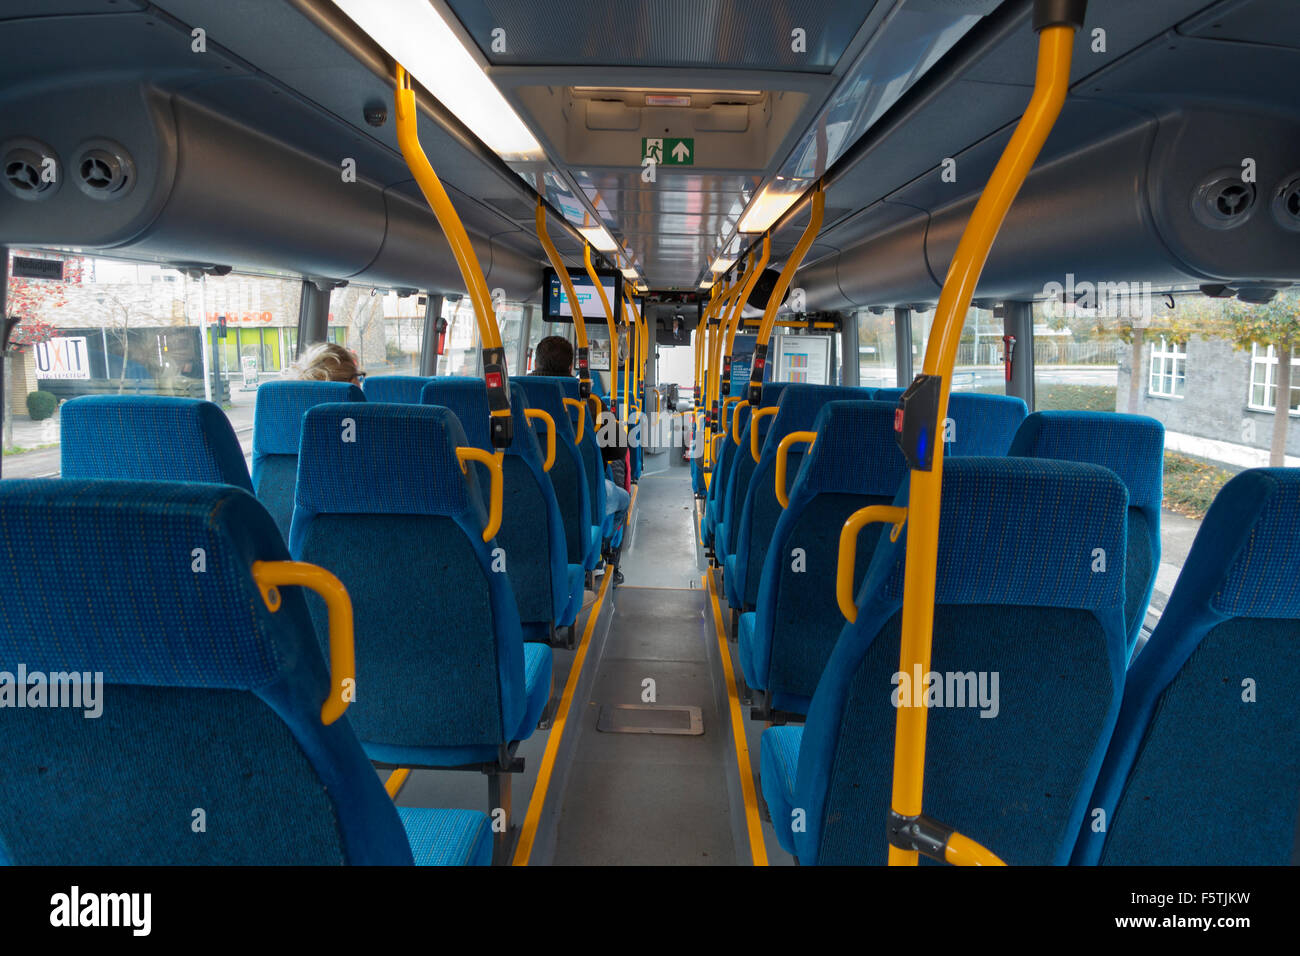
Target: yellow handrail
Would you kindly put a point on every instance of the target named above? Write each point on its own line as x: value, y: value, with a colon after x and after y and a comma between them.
x: 782, y: 453
x: 537, y: 413
x: 604, y: 301
x: 963, y: 851
x: 735, y: 420
x: 496, y: 498
x: 495, y: 373
x: 1051, y: 84
x: 582, y: 418
x: 751, y: 279
x: 778, y: 291
x: 724, y: 422
x: 756, y: 416
x: 272, y: 575
x: 584, y: 372
x: 847, y: 557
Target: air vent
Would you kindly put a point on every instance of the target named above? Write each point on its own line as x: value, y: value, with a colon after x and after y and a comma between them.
x: 1286, y: 204
x: 105, y: 170
x: 1223, y: 200
x: 31, y: 170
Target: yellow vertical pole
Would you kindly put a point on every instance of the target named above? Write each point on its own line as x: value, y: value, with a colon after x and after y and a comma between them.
x: 1055, y: 45
x: 609, y: 315
x: 584, y: 362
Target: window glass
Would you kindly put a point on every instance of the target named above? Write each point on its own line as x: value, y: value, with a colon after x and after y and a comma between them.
x: 877, y: 358
x: 460, y: 355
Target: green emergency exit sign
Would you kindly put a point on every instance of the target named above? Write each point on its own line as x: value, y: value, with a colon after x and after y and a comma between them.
x: 668, y: 150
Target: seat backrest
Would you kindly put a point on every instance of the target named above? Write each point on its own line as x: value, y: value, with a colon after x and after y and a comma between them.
x: 743, y: 464
x: 592, y: 462
x: 1133, y: 447
x: 382, y: 502
x: 568, y: 475
x: 982, y: 424
x: 797, y: 411
x: 854, y: 463
x: 726, y: 455
x: 400, y: 389
x: 150, y: 438
x: 277, y: 429
x: 532, y: 530
x: 1028, y: 626
x: 1204, y: 764
x: 203, y: 699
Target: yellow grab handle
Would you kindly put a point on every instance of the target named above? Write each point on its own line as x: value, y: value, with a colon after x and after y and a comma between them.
x: 537, y: 413
x: 604, y: 301
x: 782, y: 451
x: 735, y: 420
x: 582, y: 418
x: 496, y: 497
x: 963, y: 851
x: 600, y: 407
x: 726, y: 404
x: 848, y: 554
x: 791, y: 265
x: 408, y: 141
x: 755, y: 417
x: 272, y: 575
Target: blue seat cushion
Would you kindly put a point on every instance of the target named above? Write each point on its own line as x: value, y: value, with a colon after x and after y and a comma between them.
x: 748, y: 653
x: 593, y: 547
x: 729, y: 579
x: 448, y: 837
x: 537, y: 687
x: 720, y: 541
x: 779, y: 759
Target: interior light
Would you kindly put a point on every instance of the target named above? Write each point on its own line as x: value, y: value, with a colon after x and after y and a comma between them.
x: 706, y: 284
x: 722, y: 264
x: 768, y: 206
x: 599, y: 238
x: 414, y: 34
x: 631, y: 275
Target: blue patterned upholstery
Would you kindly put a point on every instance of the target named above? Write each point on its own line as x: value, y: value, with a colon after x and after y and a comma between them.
x: 1204, y: 764
x: 568, y: 475
x: 1020, y: 594
x: 277, y: 428
x: 208, y: 700
x: 855, y: 462
x: 718, y: 485
x: 1133, y: 447
x: 439, y: 646
x: 738, y: 477
x: 592, y: 463
x: 150, y: 438
x: 448, y: 837
x: 799, y: 407
x: 532, y: 529
x: 397, y: 389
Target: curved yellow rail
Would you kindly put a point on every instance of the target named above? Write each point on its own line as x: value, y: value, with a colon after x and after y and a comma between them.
x: 756, y: 416
x: 847, y: 558
x: 735, y: 420
x: 1051, y: 84
x: 584, y: 373
x: 272, y: 575
x: 751, y: 279
x: 582, y: 418
x: 963, y: 851
x: 496, y: 497
x: 782, y: 454
x: 544, y: 416
x: 604, y: 301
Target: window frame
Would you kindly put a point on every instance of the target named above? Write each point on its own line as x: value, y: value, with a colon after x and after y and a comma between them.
x: 1168, y: 354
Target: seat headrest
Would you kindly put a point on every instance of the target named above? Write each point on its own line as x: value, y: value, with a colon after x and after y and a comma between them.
x: 465, y: 396
x: 277, y: 418
x: 568, y: 385
x: 1022, y: 531
x: 800, y: 404
x: 1132, y: 446
x: 1244, y: 562
x: 544, y: 392
x: 855, y: 452
x: 384, y: 458
x: 165, y: 597
x: 150, y: 438
x: 984, y: 424
x: 399, y: 389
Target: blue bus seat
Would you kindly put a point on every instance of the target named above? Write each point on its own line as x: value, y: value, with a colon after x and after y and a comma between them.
x: 737, y: 418
x: 785, y: 643
x: 1020, y: 596
x: 207, y: 698
x: 593, y: 467
x: 398, y: 389
x: 1204, y: 765
x: 741, y: 469
x: 277, y: 429
x: 568, y: 475
x: 448, y: 679
x: 798, y: 408
x: 548, y: 591
x: 150, y: 438
x: 1133, y: 447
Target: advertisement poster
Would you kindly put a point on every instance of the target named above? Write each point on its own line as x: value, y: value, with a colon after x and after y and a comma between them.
x: 803, y: 358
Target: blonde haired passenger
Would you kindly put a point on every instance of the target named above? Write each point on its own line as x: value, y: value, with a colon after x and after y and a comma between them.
x: 327, y: 362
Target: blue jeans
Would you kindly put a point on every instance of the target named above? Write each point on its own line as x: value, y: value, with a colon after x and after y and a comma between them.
x: 617, y: 501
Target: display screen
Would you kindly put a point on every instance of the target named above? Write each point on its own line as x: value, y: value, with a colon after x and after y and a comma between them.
x: 556, y: 302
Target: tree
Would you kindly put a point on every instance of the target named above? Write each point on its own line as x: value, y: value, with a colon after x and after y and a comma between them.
x: 1275, y: 324
x: 31, y: 302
